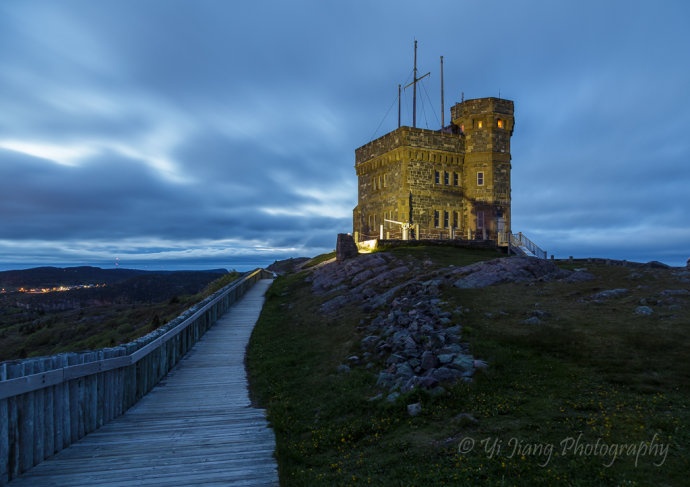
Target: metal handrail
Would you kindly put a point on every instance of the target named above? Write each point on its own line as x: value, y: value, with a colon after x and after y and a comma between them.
x: 520, y: 240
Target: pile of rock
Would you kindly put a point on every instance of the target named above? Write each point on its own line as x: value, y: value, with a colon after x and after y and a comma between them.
x: 411, y: 337
x: 413, y: 341
x: 417, y: 343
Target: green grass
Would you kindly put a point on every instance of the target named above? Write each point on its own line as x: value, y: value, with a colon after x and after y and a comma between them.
x: 588, y: 373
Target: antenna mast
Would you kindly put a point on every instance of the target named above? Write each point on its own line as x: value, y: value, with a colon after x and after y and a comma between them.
x: 399, y: 93
x: 443, y: 110
x: 414, y: 86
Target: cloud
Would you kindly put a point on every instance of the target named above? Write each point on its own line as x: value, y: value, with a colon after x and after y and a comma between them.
x: 193, y: 131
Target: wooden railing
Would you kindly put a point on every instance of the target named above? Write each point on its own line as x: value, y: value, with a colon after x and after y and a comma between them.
x: 48, y: 403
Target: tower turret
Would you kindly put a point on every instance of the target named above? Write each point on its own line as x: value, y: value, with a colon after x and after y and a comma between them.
x: 487, y: 125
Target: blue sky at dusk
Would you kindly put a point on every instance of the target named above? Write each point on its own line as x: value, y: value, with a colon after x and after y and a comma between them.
x: 217, y: 133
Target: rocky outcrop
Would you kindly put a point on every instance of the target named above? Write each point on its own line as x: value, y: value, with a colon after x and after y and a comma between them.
x: 516, y: 269
x: 411, y: 340
x: 369, y: 280
x: 607, y: 294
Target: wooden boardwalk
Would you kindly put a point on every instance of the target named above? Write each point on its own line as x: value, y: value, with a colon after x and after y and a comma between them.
x: 196, y: 427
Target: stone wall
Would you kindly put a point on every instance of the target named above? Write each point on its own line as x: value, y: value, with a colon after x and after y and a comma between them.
x: 412, y: 138
x: 431, y: 178
x: 481, y: 107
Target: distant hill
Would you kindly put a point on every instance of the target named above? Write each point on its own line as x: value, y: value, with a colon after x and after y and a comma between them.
x: 73, y: 276
x: 141, y: 288
x: 115, y: 286
x: 125, y: 305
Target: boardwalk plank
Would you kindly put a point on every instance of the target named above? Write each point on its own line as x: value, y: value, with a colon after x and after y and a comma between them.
x: 196, y: 427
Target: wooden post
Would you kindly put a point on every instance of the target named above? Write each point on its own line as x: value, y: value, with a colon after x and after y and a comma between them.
x: 39, y: 416
x: 26, y: 429
x: 4, y: 432
x: 14, y: 406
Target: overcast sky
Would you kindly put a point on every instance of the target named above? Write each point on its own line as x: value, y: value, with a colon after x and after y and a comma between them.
x: 211, y: 132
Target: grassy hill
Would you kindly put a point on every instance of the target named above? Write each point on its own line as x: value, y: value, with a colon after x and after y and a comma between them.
x: 588, y: 383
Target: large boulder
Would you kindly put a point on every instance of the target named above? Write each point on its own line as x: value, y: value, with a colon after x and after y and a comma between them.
x: 345, y: 247
x: 510, y: 269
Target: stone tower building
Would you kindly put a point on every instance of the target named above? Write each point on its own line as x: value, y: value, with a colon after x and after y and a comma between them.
x: 452, y: 183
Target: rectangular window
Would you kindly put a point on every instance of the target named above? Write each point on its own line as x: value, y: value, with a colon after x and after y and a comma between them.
x: 446, y: 178
x: 437, y: 177
x: 380, y: 185
x: 446, y: 218
x: 436, y: 218
x: 480, y: 220
x: 455, y: 219
x: 384, y: 181
x: 480, y: 179
x: 499, y: 123
x: 456, y: 179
